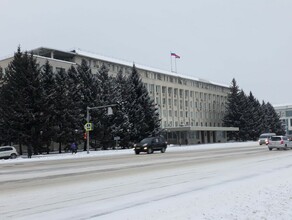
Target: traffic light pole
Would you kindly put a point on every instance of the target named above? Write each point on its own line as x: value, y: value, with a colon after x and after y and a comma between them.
x: 87, y: 131
x: 110, y: 112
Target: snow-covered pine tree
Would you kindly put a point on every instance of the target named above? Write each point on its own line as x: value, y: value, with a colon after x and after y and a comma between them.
x: 244, y: 116
x: 62, y: 110
x: 265, y: 124
x: 88, y: 87
x: 233, y: 111
x: 107, y: 96
x: 274, y: 121
x: 254, y: 117
x: 48, y: 83
x: 143, y: 116
x: 75, y: 96
x: 2, y: 126
x: 121, y: 121
x: 22, y: 98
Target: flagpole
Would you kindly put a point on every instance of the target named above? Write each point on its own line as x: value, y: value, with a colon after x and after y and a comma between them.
x: 170, y: 62
x: 175, y: 64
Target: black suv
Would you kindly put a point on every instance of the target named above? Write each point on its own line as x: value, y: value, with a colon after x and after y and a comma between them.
x: 150, y: 145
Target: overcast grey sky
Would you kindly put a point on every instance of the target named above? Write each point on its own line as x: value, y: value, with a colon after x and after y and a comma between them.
x: 218, y: 40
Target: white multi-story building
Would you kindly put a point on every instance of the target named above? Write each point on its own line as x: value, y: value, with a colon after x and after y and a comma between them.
x: 285, y: 113
x: 191, y: 109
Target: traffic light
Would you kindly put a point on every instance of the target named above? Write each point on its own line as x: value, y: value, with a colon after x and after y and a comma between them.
x: 85, y: 136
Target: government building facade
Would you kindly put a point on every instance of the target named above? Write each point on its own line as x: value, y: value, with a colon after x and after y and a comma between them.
x: 285, y: 113
x: 191, y: 109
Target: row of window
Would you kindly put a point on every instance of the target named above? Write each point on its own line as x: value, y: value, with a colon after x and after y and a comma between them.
x: 190, y: 105
x: 115, y: 68
x: 198, y: 115
x: 182, y: 81
x: 181, y: 93
x: 177, y: 124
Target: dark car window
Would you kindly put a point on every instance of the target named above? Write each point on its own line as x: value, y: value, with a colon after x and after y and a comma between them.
x: 146, y: 141
x: 275, y: 138
x: 6, y: 149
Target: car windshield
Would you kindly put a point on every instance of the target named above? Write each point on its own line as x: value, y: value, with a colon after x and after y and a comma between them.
x: 146, y: 141
x: 267, y: 135
x: 275, y: 138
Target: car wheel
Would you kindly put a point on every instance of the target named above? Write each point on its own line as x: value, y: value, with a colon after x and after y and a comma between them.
x: 149, y: 151
x: 13, y: 156
x: 163, y: 150
x: 137, y: 152
x: 278, y: 148
x: 270, y: 148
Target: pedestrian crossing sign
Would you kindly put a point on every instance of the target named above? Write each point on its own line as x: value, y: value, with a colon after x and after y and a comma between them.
x: 88, y: 127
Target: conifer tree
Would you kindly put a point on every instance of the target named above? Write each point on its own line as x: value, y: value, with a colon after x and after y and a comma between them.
x: 22, y: 98
x: 142, y: 113
x: 254, y: 117
x: 75, y: 95
x: 48, y: 105
x: 233, y: 111
x: 88, y: 88
x: 244, y: 119
x: 275, y: 124
x: 107, y: 96
x: 62, y: 113
x: 121, y: 119
x: 2, y: 124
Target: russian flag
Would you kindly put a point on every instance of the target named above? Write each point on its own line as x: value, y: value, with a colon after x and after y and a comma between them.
x: 174, y: 55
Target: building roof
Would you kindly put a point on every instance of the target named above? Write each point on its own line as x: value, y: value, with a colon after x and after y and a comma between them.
x: 45, y: 51
x: 139, y: 66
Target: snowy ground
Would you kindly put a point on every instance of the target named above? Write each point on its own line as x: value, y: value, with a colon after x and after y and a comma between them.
x: 82, y: 154
x: 261, y: 189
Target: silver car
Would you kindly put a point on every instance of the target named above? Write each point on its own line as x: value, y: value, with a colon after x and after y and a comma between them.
x: 7, y: 152
x: 279, y: 142
x: 264, y: 138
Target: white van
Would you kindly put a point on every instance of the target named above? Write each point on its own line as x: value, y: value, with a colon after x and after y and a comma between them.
x: 264, y: 138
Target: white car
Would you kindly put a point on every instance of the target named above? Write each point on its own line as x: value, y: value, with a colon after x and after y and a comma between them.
x: 279, y: 142
x: 7, y: 152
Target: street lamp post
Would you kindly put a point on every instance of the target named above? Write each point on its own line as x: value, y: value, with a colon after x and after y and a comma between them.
x: 109, y: 112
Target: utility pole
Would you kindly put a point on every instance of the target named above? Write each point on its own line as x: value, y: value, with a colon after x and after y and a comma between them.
x: 109, y: 112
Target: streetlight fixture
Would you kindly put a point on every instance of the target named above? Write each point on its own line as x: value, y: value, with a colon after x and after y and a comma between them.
x: 109, y: 112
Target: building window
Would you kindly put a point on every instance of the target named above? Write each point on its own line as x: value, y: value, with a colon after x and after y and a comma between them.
x: 159, y: 76
x: 164, y: 113
x: 163, y: 90
x: 175, y: 92
x: 157, y: 90
x: 181, y: 93
x: 164, y: 101
x: 288, y: 113
x: 180, y: 104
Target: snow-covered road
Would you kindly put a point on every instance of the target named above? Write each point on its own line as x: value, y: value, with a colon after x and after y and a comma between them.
x: 257, y: 185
